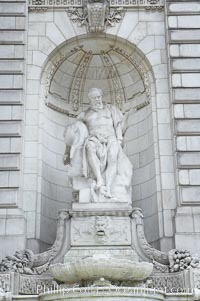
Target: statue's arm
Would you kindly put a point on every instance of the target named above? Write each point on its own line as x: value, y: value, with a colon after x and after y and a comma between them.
x: 125, y: 121
x: 81, y: 117
x: 117, y: 117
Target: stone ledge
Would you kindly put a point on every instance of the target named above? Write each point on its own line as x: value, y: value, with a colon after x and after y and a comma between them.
x: 110, y: 209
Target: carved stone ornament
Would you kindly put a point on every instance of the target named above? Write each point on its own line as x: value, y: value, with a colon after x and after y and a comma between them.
x: 133, y: 4
x: 159, y: 259
x: 21, y: 262
x: 95, y: 15
x: 167, y: 282
x: 26, y: 262
x: 180, y: 260
x: 34, y: 285
x: 101, y: 266
x: 6, y: 282
x: 101, y: 230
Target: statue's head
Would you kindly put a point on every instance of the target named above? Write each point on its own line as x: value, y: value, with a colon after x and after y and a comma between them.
x: 95, y: 97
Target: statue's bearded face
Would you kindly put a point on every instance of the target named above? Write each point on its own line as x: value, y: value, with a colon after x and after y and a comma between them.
x: 96, y: 100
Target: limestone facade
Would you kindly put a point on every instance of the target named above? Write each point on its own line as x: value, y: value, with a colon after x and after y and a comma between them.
x: 162, y: 140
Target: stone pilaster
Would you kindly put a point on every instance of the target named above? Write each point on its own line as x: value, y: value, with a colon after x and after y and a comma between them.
x: 12, y: 68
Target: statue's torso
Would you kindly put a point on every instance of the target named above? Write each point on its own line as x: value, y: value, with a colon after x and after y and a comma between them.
x: 100, y: 122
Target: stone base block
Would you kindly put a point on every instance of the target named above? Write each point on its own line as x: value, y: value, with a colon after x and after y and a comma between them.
x: 90, y: 207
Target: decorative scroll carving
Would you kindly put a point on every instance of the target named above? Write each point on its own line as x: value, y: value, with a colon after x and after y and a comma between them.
x: 42, y: 261
x: 114, y: 15
x: 78, y: 15
x: 180, y: 260
x: 96, y: 16
x: 151, y: 253
x: 114, y: 79
x: 25, y: 262
x: 75, y: 92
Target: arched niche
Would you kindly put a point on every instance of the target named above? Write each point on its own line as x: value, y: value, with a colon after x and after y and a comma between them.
x: 126, y: 78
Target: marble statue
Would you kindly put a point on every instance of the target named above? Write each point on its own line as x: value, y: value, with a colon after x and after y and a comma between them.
x: 94, y: 150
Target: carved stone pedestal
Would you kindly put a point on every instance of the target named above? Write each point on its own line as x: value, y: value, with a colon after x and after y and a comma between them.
x: 102, y: 248
x: 99, y: 248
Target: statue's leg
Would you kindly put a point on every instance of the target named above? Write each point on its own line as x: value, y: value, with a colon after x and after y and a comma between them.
x: 111, y: 170
x: 94, y: 163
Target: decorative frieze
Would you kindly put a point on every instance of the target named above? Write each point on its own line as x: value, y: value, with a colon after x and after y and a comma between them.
x: 148, y: 4
x: 35, y: 285
x: 166, y: 282
x: 95, y: 15
x: 100, y: 230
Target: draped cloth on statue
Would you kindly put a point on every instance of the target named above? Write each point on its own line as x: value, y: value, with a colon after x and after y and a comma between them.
x: 103, y: 141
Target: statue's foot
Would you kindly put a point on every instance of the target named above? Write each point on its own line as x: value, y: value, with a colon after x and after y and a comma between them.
x: 99, y: 184
x: 106, y: 192
x: 108, y: 195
